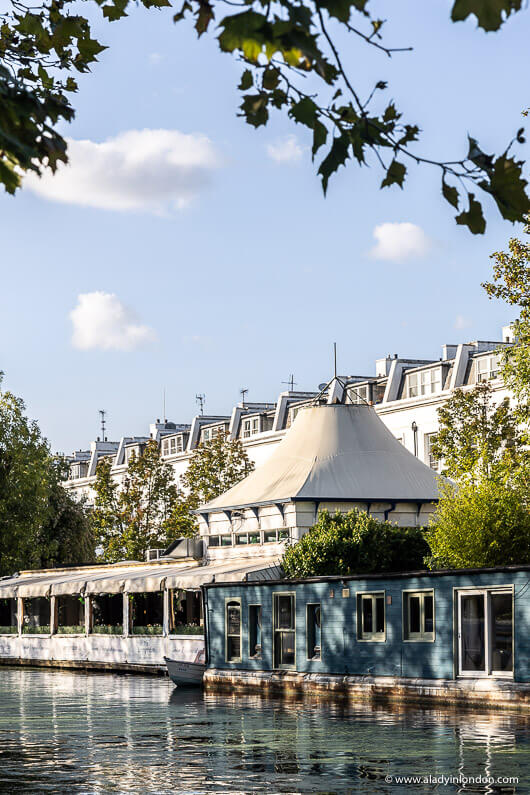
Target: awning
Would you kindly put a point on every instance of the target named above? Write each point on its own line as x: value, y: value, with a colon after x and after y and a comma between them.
x: 227, y: 571
x: 132, y: 579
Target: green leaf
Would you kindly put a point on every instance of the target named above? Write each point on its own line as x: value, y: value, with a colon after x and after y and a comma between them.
x: 304, y: 112
x: 320, y: 135
x: 247, y: 81
x: 336, y: 157
x: 473, y: 218
x: 254, y: 107
x: 271, y: 78
x: 450, y: 193
x: 395, y: 174
x: 490, y: 14
x: 507, y: 186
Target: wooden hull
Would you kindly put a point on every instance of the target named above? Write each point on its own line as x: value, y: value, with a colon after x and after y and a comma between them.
x: 185, y: 674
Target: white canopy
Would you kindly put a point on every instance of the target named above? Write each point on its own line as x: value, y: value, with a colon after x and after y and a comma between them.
x: 336, y: 453
x: 131, y: 579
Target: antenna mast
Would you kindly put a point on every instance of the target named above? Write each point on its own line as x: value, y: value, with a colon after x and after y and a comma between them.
x: 243, y: 393
x: 200, y: 399
x: 335, y: 358
x: 102, y: 414
x: 291, y: 382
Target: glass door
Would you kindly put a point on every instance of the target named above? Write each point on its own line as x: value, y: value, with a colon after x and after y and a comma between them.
x: 284, y: 630
x: 472, y: 633
x: 485, y: 633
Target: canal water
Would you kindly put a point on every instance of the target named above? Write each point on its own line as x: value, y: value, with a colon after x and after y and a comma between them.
x: 69, y: 732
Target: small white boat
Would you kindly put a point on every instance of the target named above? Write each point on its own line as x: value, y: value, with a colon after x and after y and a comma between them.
x: 186, y: 674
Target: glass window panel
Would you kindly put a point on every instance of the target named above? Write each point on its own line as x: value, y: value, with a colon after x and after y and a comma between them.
x: 285, y: 612
x: 269, y: 536
x: 234, y: 648
x: 253, y: 538
x: 226, y: 541
x: 428, y: 608
x: 367, y: 614
x: 473, y: 633
x: 501, y: 632
x: 380, y: 614
x: 254, y: 631
x: 414, y: 614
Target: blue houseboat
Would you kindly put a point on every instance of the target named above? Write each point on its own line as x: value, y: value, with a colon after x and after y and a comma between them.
x: 460, y: 635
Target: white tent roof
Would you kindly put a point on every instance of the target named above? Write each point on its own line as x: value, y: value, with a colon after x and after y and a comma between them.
x: 131, y: 579
x: 334, y: 453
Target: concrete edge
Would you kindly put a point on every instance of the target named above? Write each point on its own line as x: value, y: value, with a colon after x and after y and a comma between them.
x: 86, y: 665
x: 476, y: 693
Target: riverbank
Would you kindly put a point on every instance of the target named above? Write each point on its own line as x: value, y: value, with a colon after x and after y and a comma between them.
x: 479, y: 693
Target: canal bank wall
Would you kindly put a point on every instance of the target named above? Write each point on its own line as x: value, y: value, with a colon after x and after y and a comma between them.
x: 479, y: 693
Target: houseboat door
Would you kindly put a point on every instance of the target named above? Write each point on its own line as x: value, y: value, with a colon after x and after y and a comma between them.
x: 284, y: 630
x: 485, y: 632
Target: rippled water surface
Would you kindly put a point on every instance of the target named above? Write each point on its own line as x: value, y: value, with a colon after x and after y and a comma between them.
x: 70, y: 732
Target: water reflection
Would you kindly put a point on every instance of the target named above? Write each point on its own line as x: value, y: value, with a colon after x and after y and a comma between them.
x: 93, y: 733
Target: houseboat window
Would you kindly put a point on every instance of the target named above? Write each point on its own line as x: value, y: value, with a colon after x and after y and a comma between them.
x: 8, y: 616
x: 185, y: 612
x: 70, y: 612
x: 233, y: 631
x: 313, y: 619
x: 371, y: 616
x: 36, y: 616
x: 485, y: 632
x: 254, y: 632
x: 107, y: 614
x: 146, y: 613
x: 418, y: 614
x: 284, y: 630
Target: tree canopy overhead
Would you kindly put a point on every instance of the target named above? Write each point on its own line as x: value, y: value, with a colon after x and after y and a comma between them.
x: 279, y: 43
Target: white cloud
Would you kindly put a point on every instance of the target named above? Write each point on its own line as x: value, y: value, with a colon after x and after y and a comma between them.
x: 285, y: 150
x: 101, y: 321
x: 462, y: 322
x: 155, y: 58
x: 149, y: 170
x: 398, y: 242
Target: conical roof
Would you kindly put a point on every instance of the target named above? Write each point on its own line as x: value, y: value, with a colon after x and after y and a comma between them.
x: 334, y: 453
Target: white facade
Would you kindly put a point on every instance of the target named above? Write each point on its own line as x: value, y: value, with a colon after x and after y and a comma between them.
x: 406, y: 394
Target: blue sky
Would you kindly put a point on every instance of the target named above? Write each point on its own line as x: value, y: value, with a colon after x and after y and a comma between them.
x: 257, y: 274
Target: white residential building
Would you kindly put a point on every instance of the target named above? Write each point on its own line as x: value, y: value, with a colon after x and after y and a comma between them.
x: 405, y: 392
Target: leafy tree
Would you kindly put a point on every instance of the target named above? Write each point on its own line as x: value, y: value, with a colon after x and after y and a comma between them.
x: 66, y: 538
x: 279, y: 42
x: 476, y: 438
x: 24, y: 485
x: 214, y: 468
x: 480, y: 524
x: 354, y: 543
x: 136, y: 515
x: 511, y: 283
x: 40, y: 524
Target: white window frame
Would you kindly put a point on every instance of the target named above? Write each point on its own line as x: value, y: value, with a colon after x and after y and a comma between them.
x: 486, y: 592
x: 275, y: 595
x: 491, y: 368
x: 370, y: 637
x: 228, y: 601
x: 431, y: 462
x: 422, y: 636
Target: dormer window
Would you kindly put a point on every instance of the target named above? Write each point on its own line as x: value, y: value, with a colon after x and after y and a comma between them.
x: 487, y: 368
x: 250, y: 427
x: 424, y: 382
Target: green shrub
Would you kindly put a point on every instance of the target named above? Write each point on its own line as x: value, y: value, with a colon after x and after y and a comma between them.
x: 8, y: 630
x: 355, y: 543
x: 108, y: 629
x: 29, y: 629
x: 155, y: 629
x: 187, y: 629
x: 74, y: 629
x: 480, y: 525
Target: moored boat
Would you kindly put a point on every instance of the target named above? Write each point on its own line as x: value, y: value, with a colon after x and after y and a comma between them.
x: 186, y: 674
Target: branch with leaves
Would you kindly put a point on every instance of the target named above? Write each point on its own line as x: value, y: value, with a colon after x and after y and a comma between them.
x: 280, y: 43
